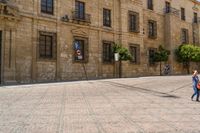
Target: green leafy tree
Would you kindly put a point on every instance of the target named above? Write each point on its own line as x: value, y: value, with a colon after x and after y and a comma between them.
x: 161, y: 56
x: 186, y: 54
x: 124, y: 55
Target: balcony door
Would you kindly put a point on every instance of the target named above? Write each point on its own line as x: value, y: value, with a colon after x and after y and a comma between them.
x: 80, y: 10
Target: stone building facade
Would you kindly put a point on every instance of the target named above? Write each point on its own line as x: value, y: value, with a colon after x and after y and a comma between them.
x: 57, y: 40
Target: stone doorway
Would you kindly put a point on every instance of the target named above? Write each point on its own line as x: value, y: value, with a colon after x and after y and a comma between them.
x: 0, y: 53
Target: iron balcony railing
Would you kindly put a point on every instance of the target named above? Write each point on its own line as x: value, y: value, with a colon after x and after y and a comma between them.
x: 172, y: 11
x: 79, y: 16
x: 3, y: 1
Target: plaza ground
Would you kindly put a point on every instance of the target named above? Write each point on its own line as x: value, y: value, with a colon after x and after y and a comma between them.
x: 127, y: 105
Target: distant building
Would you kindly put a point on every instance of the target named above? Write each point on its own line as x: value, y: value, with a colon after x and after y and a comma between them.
x: 55, y: 40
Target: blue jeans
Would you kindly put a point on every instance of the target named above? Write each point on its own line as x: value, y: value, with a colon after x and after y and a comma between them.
x: 196, y: 92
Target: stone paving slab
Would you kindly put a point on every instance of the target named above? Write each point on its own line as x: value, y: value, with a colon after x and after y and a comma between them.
x: 127, y: 105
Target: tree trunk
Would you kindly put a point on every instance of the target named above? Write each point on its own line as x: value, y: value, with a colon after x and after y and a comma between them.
x: 120, y: 68
x: 160, y: 68
x: 188, y: 67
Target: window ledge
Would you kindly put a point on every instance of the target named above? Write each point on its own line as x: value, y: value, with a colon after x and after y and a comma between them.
x: 134, y: 31
x: 46, y: 15
x: 82, y: 61
x: 152, y: 37
x: 107, y: 28
x: 46, y: 60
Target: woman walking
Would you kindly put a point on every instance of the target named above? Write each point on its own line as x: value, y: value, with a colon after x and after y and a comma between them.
x: 195, y: 80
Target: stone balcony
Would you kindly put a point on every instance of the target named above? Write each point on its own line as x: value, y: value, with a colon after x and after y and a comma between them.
x: 172, y: 10
x: 81, y: 17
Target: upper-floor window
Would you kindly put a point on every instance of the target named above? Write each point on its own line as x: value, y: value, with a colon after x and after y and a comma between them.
x: 167, y: 7
x: 184, y: 36
x: 47, y: 6
x: 133, y: 21
x: 106, y: 17
x: 47, y: 45
x: 152, y: 29
x: 150, y: 4
x: 195, y: 17
x: 107, y: 52
x: 183, y: 13
x: 79, y: 10
x: 135, y: 53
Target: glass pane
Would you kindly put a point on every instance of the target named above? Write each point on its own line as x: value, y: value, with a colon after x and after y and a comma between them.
x: 79, y: 49
x: 42, y: 51
x: 42, y: 38
x: 43, y: 5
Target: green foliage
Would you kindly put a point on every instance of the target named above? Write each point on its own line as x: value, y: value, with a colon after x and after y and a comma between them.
x: 124, y: 53
x: 161, y: 55
x: 188, y: 53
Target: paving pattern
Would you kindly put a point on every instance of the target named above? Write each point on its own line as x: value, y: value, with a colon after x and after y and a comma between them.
x: 131, y: 105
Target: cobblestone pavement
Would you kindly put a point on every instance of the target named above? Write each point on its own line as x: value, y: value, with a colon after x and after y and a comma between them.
x: 132, y: 105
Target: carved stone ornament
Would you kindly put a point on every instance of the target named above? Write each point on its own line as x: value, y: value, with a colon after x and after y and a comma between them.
x: 195, y: 7
x: 79, y: 32
x: 9, y: 10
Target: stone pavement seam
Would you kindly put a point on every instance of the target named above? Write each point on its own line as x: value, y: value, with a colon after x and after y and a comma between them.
x: 92, y: 113
x: 61, y: 113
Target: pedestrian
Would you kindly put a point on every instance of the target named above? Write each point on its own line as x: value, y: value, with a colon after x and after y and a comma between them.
x: 195, y: 80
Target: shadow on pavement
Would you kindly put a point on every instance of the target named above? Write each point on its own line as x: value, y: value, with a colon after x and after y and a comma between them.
x: 143, y: 90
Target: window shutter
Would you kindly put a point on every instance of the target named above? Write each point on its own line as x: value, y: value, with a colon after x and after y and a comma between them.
x: 187, y: 37
x: 86, y: 50
x: 54, y: 46
x: 137, y: 22
x: 138, y: 54
x: 155, y: 29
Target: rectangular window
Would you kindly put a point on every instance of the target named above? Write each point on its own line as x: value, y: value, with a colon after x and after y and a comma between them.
x: 133, y: 21
x: 152, y: 29
x: 182, y: 13
x: 80, y: 49
x: 107, y: 52
x: 152, y: 52
x: 79, y: 10
x: 167, y: 7
x: 184, y: 36
x: 0, y: 53
x: 47, y: 49
x: 150, y: 4
x: 47, y: 6
x: 135, y: 53
x: 195, y: 17
x: 106, y: 17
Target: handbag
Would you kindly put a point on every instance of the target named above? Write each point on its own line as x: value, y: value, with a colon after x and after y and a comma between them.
x: 198, y: 85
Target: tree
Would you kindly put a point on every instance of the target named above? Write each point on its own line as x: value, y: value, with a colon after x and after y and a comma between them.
x: 161, y: 55
x: 124, y: 55
x: 186, y: 54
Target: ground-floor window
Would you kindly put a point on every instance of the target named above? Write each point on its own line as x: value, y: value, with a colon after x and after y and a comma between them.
x: 151, y: 56
x: 135, y: 53
x: 80, y: 49
x: 47, y: 45
x: 184, y: 36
